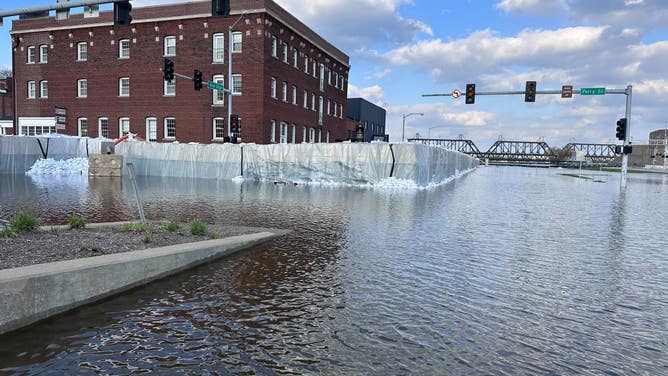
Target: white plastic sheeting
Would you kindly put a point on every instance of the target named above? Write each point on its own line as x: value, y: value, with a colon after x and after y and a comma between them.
x: 19, y: 153
x: 338, y: 163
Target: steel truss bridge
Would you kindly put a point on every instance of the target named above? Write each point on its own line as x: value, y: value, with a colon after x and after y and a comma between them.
x: 525, y: 152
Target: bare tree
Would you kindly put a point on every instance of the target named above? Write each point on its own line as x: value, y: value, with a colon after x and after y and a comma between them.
x: 5, y: 72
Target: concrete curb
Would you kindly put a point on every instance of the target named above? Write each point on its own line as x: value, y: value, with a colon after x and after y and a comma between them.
x: 32, y: 293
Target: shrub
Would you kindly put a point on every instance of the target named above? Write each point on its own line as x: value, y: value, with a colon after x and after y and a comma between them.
x: 24, y: 221
x: 197, y: 228
x: 6, y: 232
x: 216, y: 235
x: 76, y: 221
x: 133, y: 227
x: 173, y: 226
x: 148, y: 237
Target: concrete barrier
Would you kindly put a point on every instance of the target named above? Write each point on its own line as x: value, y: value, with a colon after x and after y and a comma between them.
x: 32, y: 293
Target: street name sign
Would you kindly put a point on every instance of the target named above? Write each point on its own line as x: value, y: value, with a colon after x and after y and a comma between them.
x: 592, y: 91
x: 215, y: 86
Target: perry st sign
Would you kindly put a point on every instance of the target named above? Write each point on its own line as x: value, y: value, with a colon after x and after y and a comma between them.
x: 592, y: 91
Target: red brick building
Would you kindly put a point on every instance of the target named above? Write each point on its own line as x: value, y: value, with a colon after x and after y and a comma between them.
x: 290, y: 85
x: 6, y: 106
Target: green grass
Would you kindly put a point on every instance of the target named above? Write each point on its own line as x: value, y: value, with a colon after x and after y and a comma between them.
x: 173, y: 226
x: 216, y: 235
x: 24, y: 221
x: 7, y: 232
x: 76, y: 221
x: 134, y: 227
x: 197, y: 227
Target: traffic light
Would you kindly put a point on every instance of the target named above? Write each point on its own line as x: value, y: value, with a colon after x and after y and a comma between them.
x: 122, y: 13
x: 197, y: 78
x: 234, y: 123
x: 621, y: 129
x: 220, y: 7
x: 168, y: 70
x: 470, y: 94
x: 530, y: 91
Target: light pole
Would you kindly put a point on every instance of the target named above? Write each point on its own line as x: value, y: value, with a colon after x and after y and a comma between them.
x: 229, y: 73
x: 665, y: 147
x: 435, y: 126
x: 403, y: 124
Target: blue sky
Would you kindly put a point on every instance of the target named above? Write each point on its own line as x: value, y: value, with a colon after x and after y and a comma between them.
x: 401, y: 49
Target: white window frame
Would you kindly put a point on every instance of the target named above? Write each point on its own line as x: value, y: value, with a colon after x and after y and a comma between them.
x: 44, y: 89
x: 169, y: 44
x: 329, y: 107
x: 311, y: 135
x: 273, y: 88
x: 218, y: 96
x: 272, y: 138
x: 341, y: 111
x: 306, y: 99
x: 43, y: 54
x: 82, y: 127
x: 100, y: 132
x: 30, y: 55
x: 152, y: 129
x: 237, y: 84
x: 124, y: 87
x: 122, y: 122
x: 32, y: 90
x: 169, y: 88
x: 274, y: 46
x: 218, y: 44
x: 295, y: 58
x: 312, y: 101
x: 306, y: 60
x: 303, y: 134
x: 283, y: 137
x: 124, y: 48
x: 294, y: 132
x: 327, y: 137
x: 166, y: 129
x: 237, y: 42
x: 82, y: 88
x: 320, y: 136
x: 284, y: 92
x: 315, y: 68
x: 321, y: 106
x: 221, y: 128
x: 336, y: 107
x: 82, y: 51
x: 322, y: 77
x: 285, y: 53
x: 294, y: 95
x: 329, y: 77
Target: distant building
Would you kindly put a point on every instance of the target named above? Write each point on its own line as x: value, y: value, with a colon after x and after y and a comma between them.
x: 289, y: 84
x: 658, y: 137
x: 369, y: 116
x: 6, y: 106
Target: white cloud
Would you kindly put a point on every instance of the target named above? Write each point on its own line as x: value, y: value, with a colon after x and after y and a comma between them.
x: 372, y: 94
x: 531, y: 6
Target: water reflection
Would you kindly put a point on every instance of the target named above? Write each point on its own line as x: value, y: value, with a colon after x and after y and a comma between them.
x: 505, y: 271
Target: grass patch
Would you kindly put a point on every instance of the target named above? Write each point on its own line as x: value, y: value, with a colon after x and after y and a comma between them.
x: 148, y: 237
x: 76, y: 221
x: 216, y: 235
x: 173, y: 226
x: 197, y: 227
x: 6, y: 232
x: 134, y: 227
x: 24, y: 221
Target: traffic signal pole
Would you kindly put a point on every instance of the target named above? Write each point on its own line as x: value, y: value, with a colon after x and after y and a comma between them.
x: 585, y: 92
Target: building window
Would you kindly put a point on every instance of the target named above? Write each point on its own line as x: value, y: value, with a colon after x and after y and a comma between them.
x: 273, y: 87
x: 320, y: 108
x: 335, y: 108
x: 30, y: 57
x: 312, y: 101
x: 103, y: 127
x: 285, y: 53
x: 329, y: 77
x: 170, y: 127
x: 336, y: 79
x: 236, y: 84
x: 295, y: 58
x: 284, y: 133
x: 123, y: 126
x: 306, y: 64
x: 272, y: 138
x: 170, y: 46
x: 341, y: 111
x: 124, y: 87
x: 169, y: 88
x: 327, y: 137
x: 152, y: 129
x: 304, y: 134
x: 82, y: 51
x: 31, y: 89
x: 294, y: 95
x: 322, y: 77
x: 284, y: 92
x: 305, y: 99
x: 294, y: 130
x: 82, y: 127
x: 219, y: 95
x: 44, y: 89
x: 218, y: 128
x: 44, y: 53
x: 329, y: 108
x: 218, y: 47
x: 315, y: 68
x: 311, y: 135
x: 82, y: 88
x: 124, y: 49
x: 319, y: 135
x: 274, y: 46
x: 237, y: 38
x: 32, y: 130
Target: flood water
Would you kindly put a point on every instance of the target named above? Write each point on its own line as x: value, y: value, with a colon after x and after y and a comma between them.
x: 503, y: 271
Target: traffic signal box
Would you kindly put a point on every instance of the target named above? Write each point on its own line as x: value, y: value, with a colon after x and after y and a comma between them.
x: 234, y: 124
x: 530, y: 91
x: 621, y: 129
x: 122, y: 13
x: 168, y: 70
x: 470, y: 94
x: 197, y: 79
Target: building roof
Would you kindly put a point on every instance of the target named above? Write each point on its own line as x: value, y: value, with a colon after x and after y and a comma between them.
x: 181, y: 11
